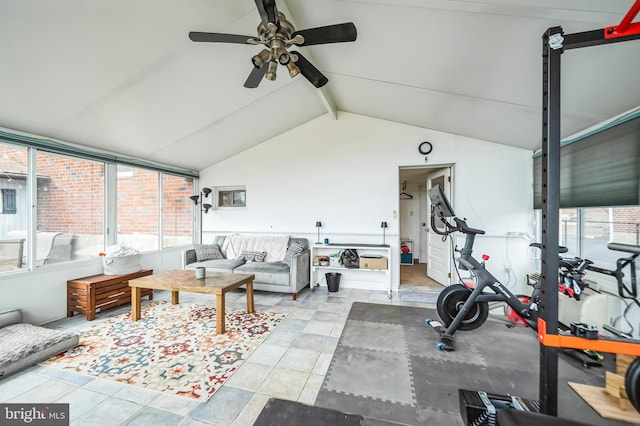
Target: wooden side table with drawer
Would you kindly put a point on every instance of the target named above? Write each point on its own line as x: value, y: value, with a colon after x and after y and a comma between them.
x: 86, y: 295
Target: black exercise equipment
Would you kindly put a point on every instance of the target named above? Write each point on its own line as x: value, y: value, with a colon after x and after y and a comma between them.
x: 554, y: 44
x: 465, y: 306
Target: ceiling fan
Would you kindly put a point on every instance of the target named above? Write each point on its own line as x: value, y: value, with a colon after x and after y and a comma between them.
x: 277, y: 34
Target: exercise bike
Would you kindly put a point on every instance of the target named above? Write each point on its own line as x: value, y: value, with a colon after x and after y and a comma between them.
x: 466, y: 306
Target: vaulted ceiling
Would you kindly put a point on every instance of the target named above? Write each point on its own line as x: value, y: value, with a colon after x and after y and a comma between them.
x: 123, y: 76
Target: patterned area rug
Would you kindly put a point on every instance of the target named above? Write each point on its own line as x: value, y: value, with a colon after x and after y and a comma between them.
x: 172, y: 348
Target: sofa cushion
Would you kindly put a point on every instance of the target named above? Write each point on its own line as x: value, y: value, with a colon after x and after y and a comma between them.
x: 208, y: 252
x: 253, y: 256
x: 221, y: 265
x: 266, y: 272
x: 274, y: 245
x: 293, y: 249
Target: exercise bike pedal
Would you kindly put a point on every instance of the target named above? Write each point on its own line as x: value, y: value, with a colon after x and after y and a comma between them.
x: 447, y: 343
x: 436, y: 325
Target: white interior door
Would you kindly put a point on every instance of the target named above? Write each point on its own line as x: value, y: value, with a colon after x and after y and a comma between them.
x: 439, y: 257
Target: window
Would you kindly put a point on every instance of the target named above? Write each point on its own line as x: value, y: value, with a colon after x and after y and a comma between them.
x: 8, y: 201
x: 14, y: 214
x: 587, y: 231
x: 137, y: 208
x: 70, y: 208
x: 177, y: 210
x: 81, y: 199
x: 598, y: 169
x: 231, y: 197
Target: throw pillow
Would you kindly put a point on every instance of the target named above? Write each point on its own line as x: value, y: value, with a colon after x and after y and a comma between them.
x: 208, y: 252
x: 292, y: 250
x: 253, y: 256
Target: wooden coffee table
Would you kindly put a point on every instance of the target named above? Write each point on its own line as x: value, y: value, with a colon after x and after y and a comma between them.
x: 218, y: 283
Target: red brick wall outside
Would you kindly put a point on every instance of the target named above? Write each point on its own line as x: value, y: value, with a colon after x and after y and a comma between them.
x: 70, y: 194
x: 71, y: 197
x: 178, y: 208
x: 627, y: 220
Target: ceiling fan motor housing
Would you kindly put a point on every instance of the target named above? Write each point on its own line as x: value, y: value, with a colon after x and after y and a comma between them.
x: 275, y: 33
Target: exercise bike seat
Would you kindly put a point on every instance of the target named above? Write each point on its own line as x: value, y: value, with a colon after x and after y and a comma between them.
x: 571, y: 263
x: 561, y: 249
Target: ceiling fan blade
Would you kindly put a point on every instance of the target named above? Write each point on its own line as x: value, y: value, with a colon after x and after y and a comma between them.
x: 268, y: 11
x: 219, y: 37
x: 337, y: 33
x: 310, y: 72
x: 255, y: 77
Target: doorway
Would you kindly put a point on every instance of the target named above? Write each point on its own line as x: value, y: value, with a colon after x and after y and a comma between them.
x: 418, y: 247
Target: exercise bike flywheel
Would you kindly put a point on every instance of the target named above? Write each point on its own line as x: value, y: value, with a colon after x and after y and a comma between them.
x: 450, y: 302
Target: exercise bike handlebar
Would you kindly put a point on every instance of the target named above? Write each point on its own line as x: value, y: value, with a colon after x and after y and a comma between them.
x: 461, y: 226
x: 627, y: 248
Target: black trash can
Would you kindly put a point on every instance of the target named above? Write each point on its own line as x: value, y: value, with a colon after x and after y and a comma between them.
x: 333, y: 281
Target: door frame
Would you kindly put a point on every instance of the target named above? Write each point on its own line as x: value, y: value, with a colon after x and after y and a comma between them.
x: 424, y: 201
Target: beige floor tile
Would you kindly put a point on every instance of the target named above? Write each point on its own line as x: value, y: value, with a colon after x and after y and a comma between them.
x: 249, y: 376
x: 284, y: 383
x: 174, y: 404
x: 252, y: 410
x: 303, y: 314
x: 322, y: 364
x: 267, y: 354
x: 299, y: 359
x: 323, y: 328
x: 48, y: 391
x: 311, y: 389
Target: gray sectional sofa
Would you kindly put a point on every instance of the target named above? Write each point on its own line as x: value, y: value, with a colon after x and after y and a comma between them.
x: 24, y: 345
x: 269, y: 275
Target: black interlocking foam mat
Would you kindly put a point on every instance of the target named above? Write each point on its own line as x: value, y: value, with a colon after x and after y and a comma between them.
x: 279, y: 412
x: 386, y: 366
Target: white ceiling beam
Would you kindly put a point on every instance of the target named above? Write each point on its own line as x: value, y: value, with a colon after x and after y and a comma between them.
x: 323, y: 92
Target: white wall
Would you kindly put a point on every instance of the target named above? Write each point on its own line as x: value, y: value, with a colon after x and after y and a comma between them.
x: 42, y: 294
x: 344, y: 173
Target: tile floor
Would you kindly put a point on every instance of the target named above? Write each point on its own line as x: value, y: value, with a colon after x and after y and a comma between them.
x: 290, y: 364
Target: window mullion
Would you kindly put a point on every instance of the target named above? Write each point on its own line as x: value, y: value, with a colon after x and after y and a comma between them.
x: 580, y: 231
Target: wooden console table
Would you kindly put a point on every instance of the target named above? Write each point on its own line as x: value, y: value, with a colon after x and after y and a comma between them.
x: 86, y: 295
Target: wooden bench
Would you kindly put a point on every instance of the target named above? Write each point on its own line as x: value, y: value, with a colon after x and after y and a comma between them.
x: 98, y: 292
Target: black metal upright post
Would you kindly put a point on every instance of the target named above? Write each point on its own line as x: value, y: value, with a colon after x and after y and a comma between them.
x: 555, y: 42
x: 552, y: 49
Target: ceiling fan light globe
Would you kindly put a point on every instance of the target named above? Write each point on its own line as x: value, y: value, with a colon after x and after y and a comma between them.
x: 271, y: 71
x: 284, y: 58
x: 261, y: 58
x: 293, y: 69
